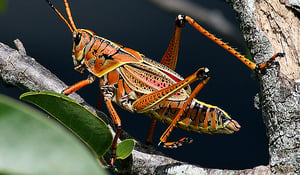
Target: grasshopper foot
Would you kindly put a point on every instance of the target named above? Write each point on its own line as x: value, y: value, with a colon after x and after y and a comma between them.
x: 176, y: 144
x: 260, y: 67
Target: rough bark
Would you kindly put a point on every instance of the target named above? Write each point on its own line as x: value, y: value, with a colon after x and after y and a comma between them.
x: 271, y: 27
x: 268, y: 27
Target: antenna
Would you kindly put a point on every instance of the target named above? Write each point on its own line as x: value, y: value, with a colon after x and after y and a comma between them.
x: 68, y: 10
x: 71, y: 25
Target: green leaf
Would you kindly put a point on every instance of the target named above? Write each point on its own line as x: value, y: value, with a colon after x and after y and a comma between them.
x: 32, y: 144
x: 125, y: 148
x: 88, y: 127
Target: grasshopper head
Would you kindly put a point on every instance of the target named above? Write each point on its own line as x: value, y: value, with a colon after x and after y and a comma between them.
x: 81, y: 37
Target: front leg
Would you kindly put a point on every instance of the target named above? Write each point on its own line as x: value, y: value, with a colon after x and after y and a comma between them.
x: 91, y: 78
x: 117, y: 122
x: 109, y: 91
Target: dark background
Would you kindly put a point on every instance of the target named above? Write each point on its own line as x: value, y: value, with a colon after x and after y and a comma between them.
x: 142, y: 26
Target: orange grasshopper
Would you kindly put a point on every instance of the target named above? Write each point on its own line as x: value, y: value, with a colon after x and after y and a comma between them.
x: 139, y: 84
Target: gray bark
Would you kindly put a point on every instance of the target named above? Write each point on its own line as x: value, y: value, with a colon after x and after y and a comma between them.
x: 269, y: 27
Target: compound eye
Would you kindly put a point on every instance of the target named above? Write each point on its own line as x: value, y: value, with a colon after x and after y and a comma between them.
x: 77, y: 38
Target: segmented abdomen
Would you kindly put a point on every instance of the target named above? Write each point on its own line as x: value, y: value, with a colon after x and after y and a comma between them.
x: 198, y: 117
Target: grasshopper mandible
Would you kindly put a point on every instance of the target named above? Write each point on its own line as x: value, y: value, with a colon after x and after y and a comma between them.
x: 141, y: 85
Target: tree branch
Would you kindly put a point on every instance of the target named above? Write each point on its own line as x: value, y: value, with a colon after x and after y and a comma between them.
x: 271, y: 27
x: 29, y: 75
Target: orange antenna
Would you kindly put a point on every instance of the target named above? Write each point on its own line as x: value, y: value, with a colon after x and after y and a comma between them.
x: 68, y: 10
x: 72, y: 27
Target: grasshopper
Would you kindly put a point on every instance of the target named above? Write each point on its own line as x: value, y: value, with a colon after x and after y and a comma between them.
x: 141, y: 85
